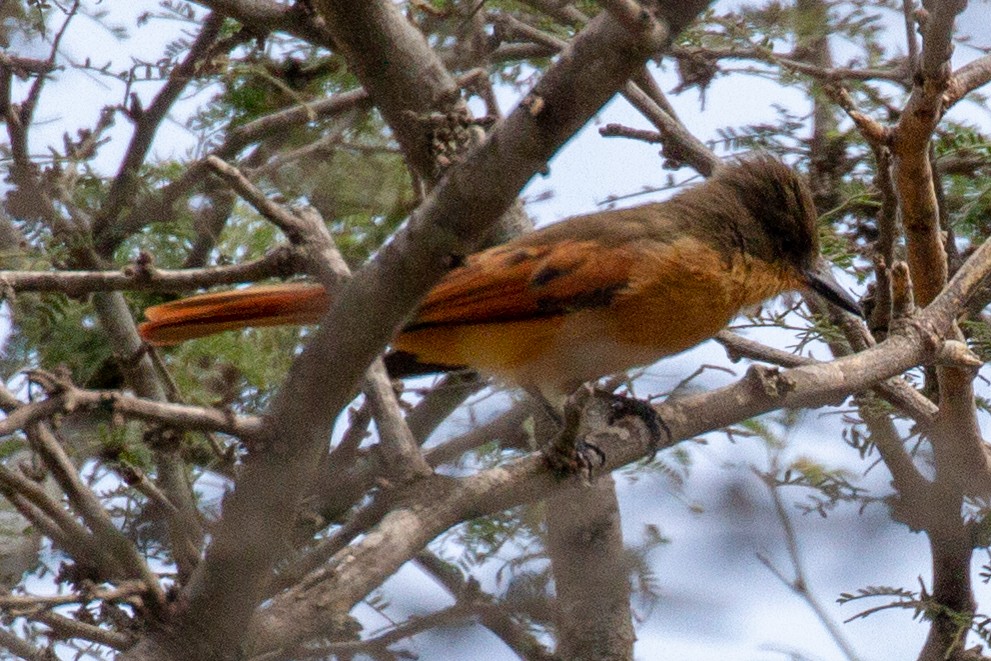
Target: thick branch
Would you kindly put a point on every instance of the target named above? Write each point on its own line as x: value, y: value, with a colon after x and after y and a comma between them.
x: 592, y: 608
x: 910, y: 148
x: 968, y: 78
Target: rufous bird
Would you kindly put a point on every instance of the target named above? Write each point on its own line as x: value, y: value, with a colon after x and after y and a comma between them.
x: 585, y: 297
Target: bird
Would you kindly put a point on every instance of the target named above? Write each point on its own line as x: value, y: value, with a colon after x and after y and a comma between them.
x: 589, y: 296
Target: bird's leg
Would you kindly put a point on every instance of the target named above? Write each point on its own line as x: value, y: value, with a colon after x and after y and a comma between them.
x: 622, y: 406
x: 568, y: 452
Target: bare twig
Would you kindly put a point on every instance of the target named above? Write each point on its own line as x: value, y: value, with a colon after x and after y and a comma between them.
x: 22, y: 648
x: 65, y: 628
x: 19, y: 604
x: 894, y: 390
x: 404, y: 460
x: 911, y: 39
x: 31, y: 100
x: 126, y: 181
x: 495, y: 617
x: 280, y: 262
x: 38, y: 507
x: 894, y: 71
x: 179, y: 416
x: 22, y: 66
x: 87, y: 505
x: 799, y: 584
x: 680, y: 146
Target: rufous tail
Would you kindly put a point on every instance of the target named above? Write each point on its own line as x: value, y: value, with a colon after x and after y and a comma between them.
x: 265, y: 305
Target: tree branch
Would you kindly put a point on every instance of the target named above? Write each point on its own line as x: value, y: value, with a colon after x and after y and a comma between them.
x: 179, y: 416
x: 280, y: 262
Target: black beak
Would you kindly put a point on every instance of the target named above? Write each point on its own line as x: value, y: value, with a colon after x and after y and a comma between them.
x: 820, y: 279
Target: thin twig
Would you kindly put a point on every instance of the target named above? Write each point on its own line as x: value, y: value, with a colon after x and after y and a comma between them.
x: 125, y: 183
x: 179, y: 416
x: 294, y: 227
x: 800, y: 583
x: 88, y: 506
x: 66, y: 628
x: 280, y: 262
x: 22, y: 604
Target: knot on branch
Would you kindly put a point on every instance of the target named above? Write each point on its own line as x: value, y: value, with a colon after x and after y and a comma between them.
x: 639, y: 20
x: 927, y: 333
x: 142, y: 269
x: 902, y: 292
x: 770, y: 380
x: 954, y: 353
x: 534, y: 103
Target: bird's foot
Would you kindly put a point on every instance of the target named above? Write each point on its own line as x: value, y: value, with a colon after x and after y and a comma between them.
x: 569, y: 454
x: 622, y: 406
x: 573, y: 457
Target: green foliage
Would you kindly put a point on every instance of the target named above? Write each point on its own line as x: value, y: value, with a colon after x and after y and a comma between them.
x: 225, y: 368
x: 828, y: 486
x: 482, y: 538
x: 964, y: 152
x: 900, y: 598
x: 367, y: 195
x: 124, y: 444
x: 978, y: 338
x: 646, y: 584
x: 778, y: 137
x: 49, y: 330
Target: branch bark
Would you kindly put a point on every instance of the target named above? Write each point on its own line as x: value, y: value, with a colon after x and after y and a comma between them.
x: 591, y: 575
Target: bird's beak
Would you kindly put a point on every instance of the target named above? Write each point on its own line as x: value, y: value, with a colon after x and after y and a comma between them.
x: 820, y: 279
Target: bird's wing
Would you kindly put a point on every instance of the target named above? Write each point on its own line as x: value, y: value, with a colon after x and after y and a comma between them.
x: 520, y: 282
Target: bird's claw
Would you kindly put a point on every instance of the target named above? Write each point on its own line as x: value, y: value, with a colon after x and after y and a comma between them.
x: 569, y: 453
x: 570, y: 456
x: 623, y: 406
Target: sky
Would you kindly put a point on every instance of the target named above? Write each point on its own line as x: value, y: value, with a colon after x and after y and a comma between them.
x: 717, y: 599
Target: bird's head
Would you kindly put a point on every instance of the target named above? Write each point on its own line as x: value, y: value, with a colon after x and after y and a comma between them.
x: 781, y: 223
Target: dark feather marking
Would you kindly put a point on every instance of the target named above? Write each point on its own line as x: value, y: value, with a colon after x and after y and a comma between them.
x: 596, y: 298
x: 549, y: 273
x: 546, y: 308
x: 401, y: 364
x: 517, y: 257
